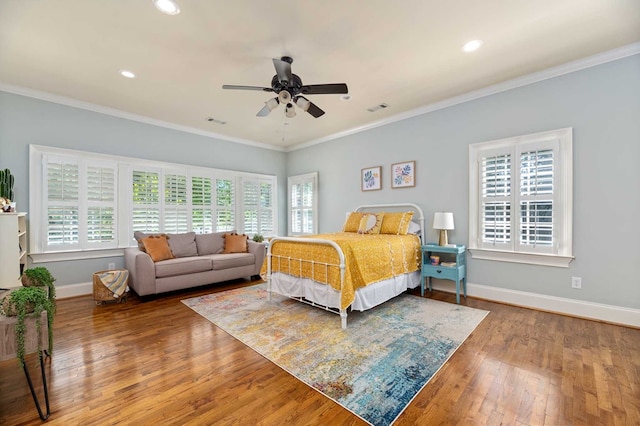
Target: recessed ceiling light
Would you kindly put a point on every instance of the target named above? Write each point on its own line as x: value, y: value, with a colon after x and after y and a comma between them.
x: 127, y: 73
x: 472, y: 46
x: 169, y: 7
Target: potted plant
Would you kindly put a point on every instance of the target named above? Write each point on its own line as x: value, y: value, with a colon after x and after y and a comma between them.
x: 258, y: 238
x: 28, y: 301
x: 6, y: 189
x: 39, y: 277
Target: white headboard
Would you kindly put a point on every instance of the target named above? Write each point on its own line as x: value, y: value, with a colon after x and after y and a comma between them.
x: 418, y: 215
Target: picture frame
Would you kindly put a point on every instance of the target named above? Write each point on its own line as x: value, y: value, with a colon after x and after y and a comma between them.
x: 403, y: 175
x: 371, y: 178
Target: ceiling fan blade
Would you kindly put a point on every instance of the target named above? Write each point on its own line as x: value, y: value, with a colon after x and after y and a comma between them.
x: 269, y: 106
x: 264, y: 111
x: 283, y: 70
x: 306, y: 105
x: 324, y: 89
x: 315, y: 110
x: 234, y: 87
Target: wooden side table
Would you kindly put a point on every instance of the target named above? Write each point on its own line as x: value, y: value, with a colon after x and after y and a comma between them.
x: 457, y: 272
x: 8, y: 350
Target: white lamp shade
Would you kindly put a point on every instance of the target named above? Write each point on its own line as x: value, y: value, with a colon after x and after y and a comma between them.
x: 443, y: 220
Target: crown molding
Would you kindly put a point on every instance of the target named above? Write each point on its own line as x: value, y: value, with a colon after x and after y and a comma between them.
x: 75, y: 103
x: 569, y: 67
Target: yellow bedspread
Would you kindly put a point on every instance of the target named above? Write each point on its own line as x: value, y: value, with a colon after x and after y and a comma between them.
x: 368, y: 259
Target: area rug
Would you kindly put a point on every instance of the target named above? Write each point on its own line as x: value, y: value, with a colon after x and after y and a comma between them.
x: 374, y: 368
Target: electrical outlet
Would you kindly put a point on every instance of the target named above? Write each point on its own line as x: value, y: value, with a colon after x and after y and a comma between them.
x: 576, y: 282
x: 111, y: 266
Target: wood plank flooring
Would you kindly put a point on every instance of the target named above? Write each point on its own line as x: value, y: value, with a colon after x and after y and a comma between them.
x: 157, y: 362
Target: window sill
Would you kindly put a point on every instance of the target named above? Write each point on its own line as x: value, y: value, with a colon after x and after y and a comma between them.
x: 62, y: 256
x: 528, y: 258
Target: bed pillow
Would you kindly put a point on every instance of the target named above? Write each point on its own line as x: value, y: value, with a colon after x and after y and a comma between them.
x: 234, y: 243
x: 353, y: 222
x: 370, y: 223
x: 396, y: 223
x: 414, y: 228
x: 157, y: 247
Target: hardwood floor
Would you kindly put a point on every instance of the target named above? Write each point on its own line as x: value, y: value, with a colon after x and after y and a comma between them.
x: 160, y: 363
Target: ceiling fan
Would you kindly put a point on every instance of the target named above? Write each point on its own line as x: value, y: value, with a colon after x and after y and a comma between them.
x: 290, y: 89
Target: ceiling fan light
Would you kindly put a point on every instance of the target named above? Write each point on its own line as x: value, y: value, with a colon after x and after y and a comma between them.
x: 302, y: 103
x: 169, y: 7
x: 289, y: 111
x: 284, y: 97
x: 272, y: 103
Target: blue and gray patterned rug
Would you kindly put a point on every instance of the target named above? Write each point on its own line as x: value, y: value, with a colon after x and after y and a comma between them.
x: 374, y: 368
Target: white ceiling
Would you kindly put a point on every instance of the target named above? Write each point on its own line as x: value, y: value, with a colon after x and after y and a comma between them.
x: 404, y: 53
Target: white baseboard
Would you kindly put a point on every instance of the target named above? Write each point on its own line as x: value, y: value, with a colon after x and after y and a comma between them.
x: 73, y: 290
x: 578, y: 308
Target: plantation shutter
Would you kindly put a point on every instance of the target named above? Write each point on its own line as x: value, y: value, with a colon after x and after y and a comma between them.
x: 101, y: 222
x: 175, y: 203
x: 495, y: 180
x: 250, y: 203
x: 63, y: 203
x: 225, y: 204
x: 297, y: 204
x: 266, y: 224
x: 536, y: 198
x: 145, y: 213
x: 302, y: 204
x: 201, y: 208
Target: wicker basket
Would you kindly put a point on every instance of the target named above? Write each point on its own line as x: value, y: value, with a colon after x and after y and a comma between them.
x: 102, y: 294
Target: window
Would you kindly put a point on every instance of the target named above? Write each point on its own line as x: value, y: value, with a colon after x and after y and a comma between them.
x: 521, y: 199
x: 257, y: 198
x: 80, y: 204
x: 303, y: 207
x: 85, y: 204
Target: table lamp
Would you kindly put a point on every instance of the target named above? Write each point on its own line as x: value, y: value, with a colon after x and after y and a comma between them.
x: 444, y: 222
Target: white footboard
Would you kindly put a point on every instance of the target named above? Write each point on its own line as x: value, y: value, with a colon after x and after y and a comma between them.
x: 285, y: 266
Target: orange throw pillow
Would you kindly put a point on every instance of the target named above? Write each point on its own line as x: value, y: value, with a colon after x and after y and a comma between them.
x: 234, y: 243
x: 157, y: 247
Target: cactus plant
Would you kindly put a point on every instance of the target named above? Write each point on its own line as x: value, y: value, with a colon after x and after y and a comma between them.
x: 6, y: 184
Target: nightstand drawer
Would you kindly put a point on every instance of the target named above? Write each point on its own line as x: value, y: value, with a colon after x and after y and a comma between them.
x: 444, y: 272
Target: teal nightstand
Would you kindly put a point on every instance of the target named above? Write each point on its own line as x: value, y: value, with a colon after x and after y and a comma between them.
x: 455, y: 273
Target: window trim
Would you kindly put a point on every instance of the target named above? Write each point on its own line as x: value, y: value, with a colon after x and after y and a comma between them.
x: 562, y: 254
x: 124, y: 202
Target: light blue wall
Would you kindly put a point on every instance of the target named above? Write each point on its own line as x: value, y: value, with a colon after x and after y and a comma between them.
x: 602, y: 104
x: 25, y: 121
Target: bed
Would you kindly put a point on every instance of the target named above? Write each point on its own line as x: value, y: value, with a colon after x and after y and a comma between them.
x: 369, y: 262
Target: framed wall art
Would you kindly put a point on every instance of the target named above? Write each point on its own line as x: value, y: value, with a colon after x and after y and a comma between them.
x: 403, y: 175
x: 370, y: 178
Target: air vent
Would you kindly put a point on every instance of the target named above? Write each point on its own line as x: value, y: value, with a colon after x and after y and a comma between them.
x: 378, y: 107
x: 213, y: 120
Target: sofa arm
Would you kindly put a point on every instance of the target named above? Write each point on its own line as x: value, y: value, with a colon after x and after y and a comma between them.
x: 259, y: 250
x: 142, y: 271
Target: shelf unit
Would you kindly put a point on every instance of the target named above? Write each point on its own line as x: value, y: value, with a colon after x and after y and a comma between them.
x: 13, y: 256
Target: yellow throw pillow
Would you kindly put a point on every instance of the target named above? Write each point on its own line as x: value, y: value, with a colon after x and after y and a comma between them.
x: 353, y: 222
x: 370, y: 223
x: 396, y: 223
x: 234, y: 243
x: 157, y: 247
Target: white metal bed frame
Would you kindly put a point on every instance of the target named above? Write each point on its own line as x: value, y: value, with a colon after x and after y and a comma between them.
x: 327, y: 266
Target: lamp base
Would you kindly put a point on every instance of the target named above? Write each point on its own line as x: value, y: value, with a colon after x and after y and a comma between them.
x: 444, y: 240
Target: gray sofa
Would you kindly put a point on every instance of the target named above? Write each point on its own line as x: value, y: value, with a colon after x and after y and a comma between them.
x: 198, y: 261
